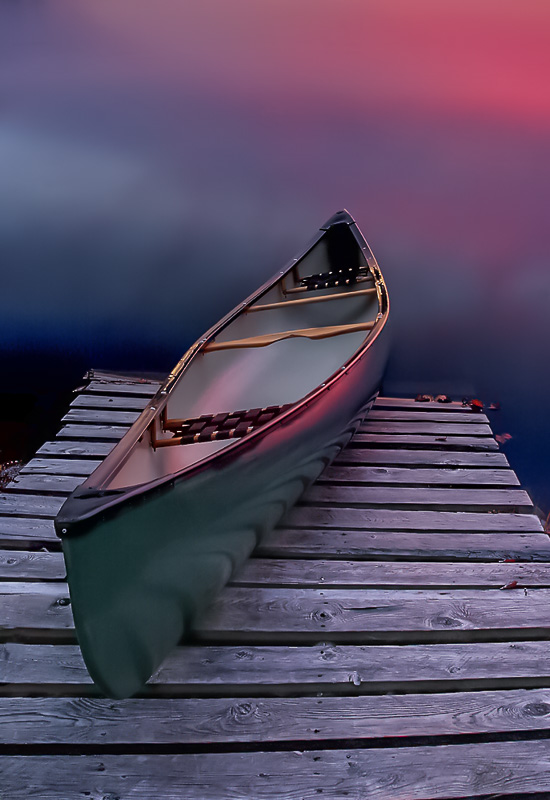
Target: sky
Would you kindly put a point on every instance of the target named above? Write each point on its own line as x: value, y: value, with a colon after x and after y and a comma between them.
x: 160, y: 160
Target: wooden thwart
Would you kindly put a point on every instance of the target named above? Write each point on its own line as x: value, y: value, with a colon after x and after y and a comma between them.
x: 307, y: 333
x: 308, y: 300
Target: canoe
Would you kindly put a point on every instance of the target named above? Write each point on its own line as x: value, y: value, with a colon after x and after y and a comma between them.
x: 249, y: 417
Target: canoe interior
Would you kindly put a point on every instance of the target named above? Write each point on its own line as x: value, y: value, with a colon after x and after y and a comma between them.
x: 279, y: 373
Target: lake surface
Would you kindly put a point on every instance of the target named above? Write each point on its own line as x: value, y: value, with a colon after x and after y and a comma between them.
x: 159, y: 163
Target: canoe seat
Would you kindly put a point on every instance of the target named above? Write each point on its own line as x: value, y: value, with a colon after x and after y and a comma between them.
x: 307, y: 333
x: 323, y: 298
x: 213, y: 427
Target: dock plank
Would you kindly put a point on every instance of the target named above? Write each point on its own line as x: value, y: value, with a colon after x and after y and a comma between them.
x: 374, y: 519
x: 365, y: 544
x: 74, y: 431
x: 47, y: 484
x: 94, y: 721
x: 450, y: 476
x: 435, y: 428
x: 30, y: 531
x: 361, y: 454
x: 144, y: 389
x: 321, y: 573
x: 101, y: 415
x: 115, y: 402
x: 339, y: 495
x: 21, y: 505
x: 405, y: 773
x: 228, y: 670
x: 441, y: 441
x: 29, y: 565
x: 409, y: 403
x: 77, y: 449
x: 306, y: 615
x: 441, y: 417
x: 60, y: 466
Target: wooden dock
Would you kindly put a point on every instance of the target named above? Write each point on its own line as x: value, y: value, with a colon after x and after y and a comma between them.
x: 369, y: 648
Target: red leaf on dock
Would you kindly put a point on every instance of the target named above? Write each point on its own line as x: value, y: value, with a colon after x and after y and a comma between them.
x: 476, y: 405
x: 511, y: 585
x: 502, y: 438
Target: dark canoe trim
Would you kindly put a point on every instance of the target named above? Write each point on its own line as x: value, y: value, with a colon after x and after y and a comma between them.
x: 83, y: 507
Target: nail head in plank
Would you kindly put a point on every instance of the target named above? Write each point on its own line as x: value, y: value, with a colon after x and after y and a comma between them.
x: 404, y: 495
x: 427, y: 476
x: 304, y: 543
x: 374, y: 519
x: 416, y: 773
x: 359, y: 454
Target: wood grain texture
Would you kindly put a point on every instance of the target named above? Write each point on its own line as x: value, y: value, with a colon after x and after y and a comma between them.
x: 385, y: 574
x: 60, y: 466
x: 441, y: 441
x: 435, y: 428
x: 97, y: 722
x: 77, y: 449
x: 122, y: 387
x: 441, y: 417
x: 449, y: 476
x: 330, y: 543
x: 409, y: 404
x: 45, y: 484
x: 269, y: 670
x: 361, y: 454
x: 101, y: 416
x: 28, y: 565
x: 21, y: 504
x: 338, y: 495
x: 115, y: 402
x: 383, y: 519
x: 404, y: 773
x: 92, y: 432
x: 308, y: 615
x: 27, y: 530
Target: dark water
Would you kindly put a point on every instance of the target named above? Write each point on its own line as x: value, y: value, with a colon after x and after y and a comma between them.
x: 147, y: 188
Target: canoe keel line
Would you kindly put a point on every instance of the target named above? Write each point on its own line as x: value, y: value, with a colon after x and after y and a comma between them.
x: 181, y: 501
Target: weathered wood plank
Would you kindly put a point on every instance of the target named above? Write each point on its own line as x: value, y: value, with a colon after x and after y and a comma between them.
x: 59, y: 466
x: 340, y: 495
x: 78, y: 449
x: 92, y: 432
x: 386, y: 574
x: 439, y: 441
x: 375, y: 519
x: 427, y: 476
x: 374, y: 615
x: 403, y: 773
x: 28, y: 565
x: 116, y: 402
x: 364, y: 455
x: 435, y: 428
x: 400, y: 415
x: 29, y: 531
x: 100, y: 416
x: 345, y: 669
x: 21, y: 505
x: 122, y: 387
x: 409, y: 403
x: 306, y: 615
x: 94, y: 721
x: 329, y: 543
x: 53, y: 484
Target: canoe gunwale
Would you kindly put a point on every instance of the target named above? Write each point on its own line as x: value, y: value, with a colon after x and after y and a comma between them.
x: 93, y: 500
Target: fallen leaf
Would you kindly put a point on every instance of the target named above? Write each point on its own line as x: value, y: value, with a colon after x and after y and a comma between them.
x: 511, y: 585
x: 476, y: 405
x: 494, y: 406
x: 440, y: 438
x: 423, y: 398
x: 502, y: 438
x: 443, y: 398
